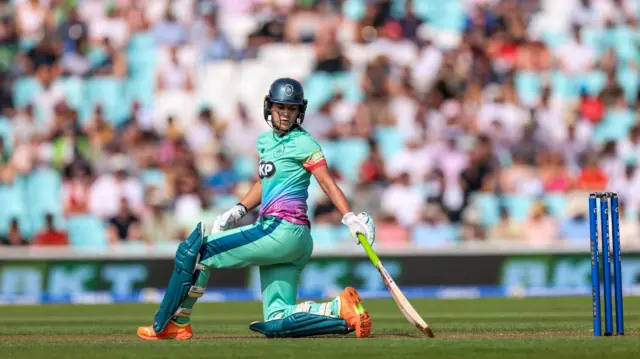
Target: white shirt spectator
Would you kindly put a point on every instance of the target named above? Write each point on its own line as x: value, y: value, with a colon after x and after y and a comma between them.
x: 174, y: 76
x: 106, y: 192
x: 576, y: 57
x: 626, y: 186
x: 404, y: 109
x: 115, y: 28
x: 30, y: 19
x: 187, y: 206
x: 46, y: 100
x: 427, y: 67
x: 415, y: 160
x: 510, y: 116
x: 199, y: 135
x: 404, y: 202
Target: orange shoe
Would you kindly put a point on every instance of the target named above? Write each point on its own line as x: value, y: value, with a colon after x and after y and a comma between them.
x: 353, y: 312
x: 171, y: 331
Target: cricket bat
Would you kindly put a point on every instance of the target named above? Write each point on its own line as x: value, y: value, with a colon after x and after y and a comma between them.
x: 405, y: 307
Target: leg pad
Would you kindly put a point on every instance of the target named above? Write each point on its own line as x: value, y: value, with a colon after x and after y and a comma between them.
x: 300, y: 325
x: 182, y: 280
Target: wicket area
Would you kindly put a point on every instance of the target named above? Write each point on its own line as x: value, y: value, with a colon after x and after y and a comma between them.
x: 607, y: 202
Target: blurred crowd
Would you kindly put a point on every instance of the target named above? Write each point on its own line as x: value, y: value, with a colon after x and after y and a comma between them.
x: 127, y: 121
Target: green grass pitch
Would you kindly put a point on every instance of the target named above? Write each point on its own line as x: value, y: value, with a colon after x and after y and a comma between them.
x: 479, y: 328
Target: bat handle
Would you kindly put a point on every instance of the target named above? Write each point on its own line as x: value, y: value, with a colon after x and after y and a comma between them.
x: 367, y: 248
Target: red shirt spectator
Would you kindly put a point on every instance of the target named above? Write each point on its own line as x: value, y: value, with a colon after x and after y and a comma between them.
x: 50, y: 235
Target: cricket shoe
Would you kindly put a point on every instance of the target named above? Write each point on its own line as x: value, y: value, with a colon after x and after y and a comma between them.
x: 171, y: 331
x: 353, y: 312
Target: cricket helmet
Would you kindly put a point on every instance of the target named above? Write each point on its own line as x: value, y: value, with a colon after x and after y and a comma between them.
x: 285, y: 91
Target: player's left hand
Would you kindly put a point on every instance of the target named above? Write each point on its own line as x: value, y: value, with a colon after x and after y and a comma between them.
x: 229, y: 219
x: 361, y: 223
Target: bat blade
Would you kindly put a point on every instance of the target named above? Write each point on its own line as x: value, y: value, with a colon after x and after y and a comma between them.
x: 403, y: 303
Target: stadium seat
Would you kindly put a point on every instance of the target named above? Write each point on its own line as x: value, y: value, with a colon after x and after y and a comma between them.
x: 563, y: 86
x: 215, y: 83
x: 390, y: 141
x: 349, y: 84
x: 108, y: 92
x: 557, y: 204
x: 629, y: 80
x: 25, y: 90
x: 528, y: 86
x: 575, y: 232
x: 518, y: 206
x: 43, y: 192
x: 593, y: 82
x: 225, y: 201
x: 614, y: 127
x: 398, y: 9
x: 245, y: 166
x: 325, y: 235
x: 488, y: 206
x: 13, y: 195
x: 331, y: 151
x: 87, y: 231
x: 357, y: 150
x: 74, y: 91
x: 434, y: 236
x: 318, y: 88
x: 6, y: 132
x: 179, y: 104
x: 624, y: 43
x: 354, y: 9
x: 152, y: 177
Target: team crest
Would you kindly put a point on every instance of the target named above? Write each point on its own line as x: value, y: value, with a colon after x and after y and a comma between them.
x: 278, y: 151
x: 288, y: 90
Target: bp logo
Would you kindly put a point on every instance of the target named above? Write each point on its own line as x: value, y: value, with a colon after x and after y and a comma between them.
x: 266, y: 169
x: 288, y: 90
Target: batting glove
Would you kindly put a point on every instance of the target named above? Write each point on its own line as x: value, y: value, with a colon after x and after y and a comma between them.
x: 361, y: 223
x: 229, y: 219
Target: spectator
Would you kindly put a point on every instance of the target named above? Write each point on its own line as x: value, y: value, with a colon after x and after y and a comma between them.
x: 108, y: 189
x: 214, y: 43
x: 125, y: 226
x: 507, y: 229
x: 499, y: 103
x: 50, y: 235
x: 402, y: 201
x: 158, y: 225
x: 372, y: 168
x: 541, y: 227
x: 224, y: 179
x: 592, y: 178
x: 31, y: 16
x: 14, y: 237
x: 169, y: 32
x: 434, y: 228
x: 390, y: 233
x: 174, y: 76
x: 76, y: 190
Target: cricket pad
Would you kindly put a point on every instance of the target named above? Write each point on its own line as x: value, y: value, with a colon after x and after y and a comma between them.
x: 300, y: 325
x: 183, y: 277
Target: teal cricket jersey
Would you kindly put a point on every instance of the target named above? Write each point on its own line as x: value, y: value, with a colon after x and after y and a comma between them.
x: 285, y: 166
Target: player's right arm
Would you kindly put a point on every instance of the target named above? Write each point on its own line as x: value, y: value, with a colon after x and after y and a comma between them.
x: 253, y: 198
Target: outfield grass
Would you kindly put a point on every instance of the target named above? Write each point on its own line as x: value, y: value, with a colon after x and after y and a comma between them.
x: 498, y: 328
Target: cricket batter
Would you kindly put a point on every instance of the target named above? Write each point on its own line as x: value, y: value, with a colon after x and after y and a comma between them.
x: 279, y: 242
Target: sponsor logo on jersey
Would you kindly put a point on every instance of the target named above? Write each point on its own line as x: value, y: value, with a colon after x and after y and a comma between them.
x: 266, y: 169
